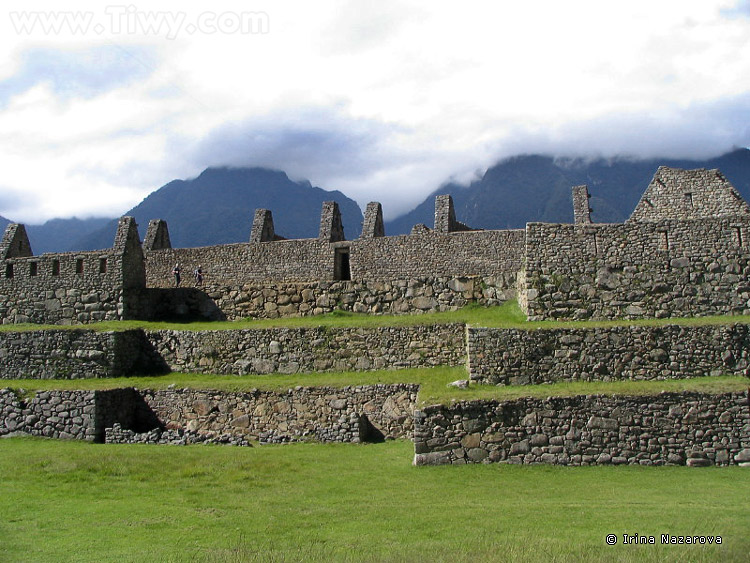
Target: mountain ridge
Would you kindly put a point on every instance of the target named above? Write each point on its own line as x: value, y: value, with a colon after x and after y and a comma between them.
x: 528, y: 188
x: 217, y: 207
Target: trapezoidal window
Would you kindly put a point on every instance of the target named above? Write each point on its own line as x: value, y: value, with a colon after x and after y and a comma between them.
x: 341, y: 269
x: 102, y: 265
x: 33, y: 268
x: 55, y: 267
x: 79, y: 266
x: 9, y: 270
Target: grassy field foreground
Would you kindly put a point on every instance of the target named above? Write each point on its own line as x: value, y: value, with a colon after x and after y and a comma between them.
x: 73, y: 501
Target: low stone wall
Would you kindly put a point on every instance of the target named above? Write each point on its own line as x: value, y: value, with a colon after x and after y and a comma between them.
x: 669, y: 428
x: 350, y: 414
x: 516, y: 356
x: 256, y: 299
x: 69, y: 415
x: 300, y: 350
x: 74, y: 354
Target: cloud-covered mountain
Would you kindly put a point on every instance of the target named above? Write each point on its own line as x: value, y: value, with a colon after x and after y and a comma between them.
x: 217, y: 207
x: 538, y: 188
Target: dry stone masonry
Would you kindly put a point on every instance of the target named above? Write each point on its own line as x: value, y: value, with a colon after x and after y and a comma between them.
x: 304, y: 350
x: 68, y: 415
x: 75, y: 354
x: 520, y: 357
x: 349, y: 414
x: 669, y: 428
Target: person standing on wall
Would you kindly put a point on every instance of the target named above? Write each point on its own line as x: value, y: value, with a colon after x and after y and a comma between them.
x: 176, y: 273
x: 198, y: 276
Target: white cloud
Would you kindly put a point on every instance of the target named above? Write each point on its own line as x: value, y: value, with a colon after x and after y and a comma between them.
x: 380, y: 100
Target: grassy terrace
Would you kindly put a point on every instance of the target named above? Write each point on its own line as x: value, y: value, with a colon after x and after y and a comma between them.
x: 433, y: 384
x: 508, y: 315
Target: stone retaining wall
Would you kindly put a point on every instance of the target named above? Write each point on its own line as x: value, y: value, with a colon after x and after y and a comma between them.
x: 495, y: 356
x: 516, y: 356
x: 69, y: 415
x: 300, y: 350
x: 669, y: 428
x: 75, y: 354
x: 350, y: 414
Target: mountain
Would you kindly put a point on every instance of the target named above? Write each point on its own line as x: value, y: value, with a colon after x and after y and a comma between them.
x: 529, y: 188
x: 57, y: 235
x: 217, y: 207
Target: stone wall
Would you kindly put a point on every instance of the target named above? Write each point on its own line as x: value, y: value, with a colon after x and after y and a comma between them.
x: 350, y: 414
x: 669, y: 428
x: 287, y: 299
x: 688, y: 194
x: 637, y: 270
x: 75, y: 354
x: 65, y: 288
x: 494, y: 355
x: 436, y: 254
x: 300, y: 350
x: 72, y: 287
x: 68, y: 415
x: 484, y: 253
x: 232, y: 265
x: 518, y: 356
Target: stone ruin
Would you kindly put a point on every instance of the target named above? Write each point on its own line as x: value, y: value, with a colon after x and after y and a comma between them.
x: 683, y: 252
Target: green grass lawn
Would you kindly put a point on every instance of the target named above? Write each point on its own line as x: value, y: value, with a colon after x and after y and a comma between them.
x: 74, y: 501
x: 507, y: 315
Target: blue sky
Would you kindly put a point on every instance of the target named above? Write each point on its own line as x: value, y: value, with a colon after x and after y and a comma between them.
x: 100, y: 104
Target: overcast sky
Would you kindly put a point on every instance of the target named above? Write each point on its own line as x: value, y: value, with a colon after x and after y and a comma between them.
x: 382, y: 100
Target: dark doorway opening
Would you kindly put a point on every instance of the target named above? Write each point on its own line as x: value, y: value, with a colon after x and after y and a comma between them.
x: 341, y: 268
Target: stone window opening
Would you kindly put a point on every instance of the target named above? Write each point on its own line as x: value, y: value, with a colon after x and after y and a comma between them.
x: 689, y: 199
x: 79, y: 266
x: 102, y: 265
x: 8, y: 270
x: 738, y: 235
x: 33, y: 268
x: 55, y: 267
x: 342, y: 269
